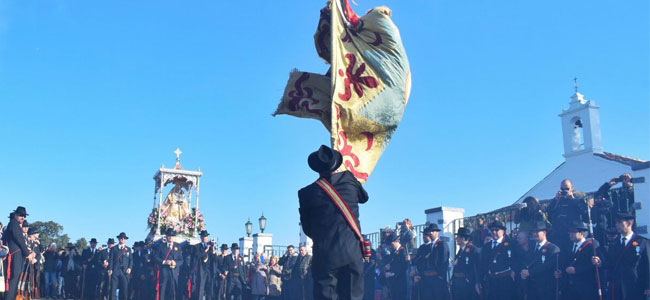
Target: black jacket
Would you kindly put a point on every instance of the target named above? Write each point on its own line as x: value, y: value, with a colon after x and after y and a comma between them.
x: 14, y: 238
x: 335, y: 243
x: 629, y: 267
x: 120, y: 260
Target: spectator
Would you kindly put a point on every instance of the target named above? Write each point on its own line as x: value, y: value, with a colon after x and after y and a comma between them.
x: 480, y: 232
x: 301, y: 281
x: 406, y: 234
x: 287, y: 262
x: 567, y: 208
x: 275, y: 279
x: 49, y: 267
x: 258, y: 278
x: 529, y: 214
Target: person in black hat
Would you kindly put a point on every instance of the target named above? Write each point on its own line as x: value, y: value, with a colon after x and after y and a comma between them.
x: 18, y: 250
x: 396, y: 267
x: 235, y: 273
x: 71, y: 270
x: 466, y: 267
x: 433, y: 270
x: 103, y: 259
x: 337, y: 263
x: 219, y: 271
x: 497, y: 265
x: 90, y: 271
x: 120, y: 265
x: 579, y: 273
x: 627, y: 262
x: 203, y: 261
x: 169, y: 259
x: 540, y: 269
x: 419, y: 261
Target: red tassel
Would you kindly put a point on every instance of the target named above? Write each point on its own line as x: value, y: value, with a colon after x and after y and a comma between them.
x: 189, y: 287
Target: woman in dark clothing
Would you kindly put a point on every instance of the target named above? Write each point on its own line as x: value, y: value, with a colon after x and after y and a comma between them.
x: 529, y: 214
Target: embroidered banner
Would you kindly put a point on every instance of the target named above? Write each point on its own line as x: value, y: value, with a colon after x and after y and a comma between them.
x: 362, y: 98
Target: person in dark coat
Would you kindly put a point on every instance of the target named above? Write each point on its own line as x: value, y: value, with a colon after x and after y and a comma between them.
x: 219, y: 271
x: 18, y: 251
x: 433, y: 271
x: 628, y: 262
x: 497, y: 265
x: 300, y: 281
x: 71, y: 269
x: 466, y: 267
x: 51, y: 259
x: 396, y: 267
x: 203, y: 259
x: 337, y: 263
x: 235, y: 274
x: 567, y: 207
x: 169, y: 258
x: 104, y: 288
x: 523, y: 253
x: 370, y: 276
x: 120, y: 265
x: 288, y: 261
x: 91, y: 267
x: 579, y: 272
x: 540, y: 269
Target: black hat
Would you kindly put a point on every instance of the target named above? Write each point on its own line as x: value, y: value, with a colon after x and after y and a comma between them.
x: 32, y: 230
x: 93, y: 240
x: 540, y: 226
x: 578, y: 226
x: 624, y: 216
x: 170, y: 232
x: 497, y: 224
x: 122, y: 236
x: 204, y: 233
x: 24, y: 224
x: 69, y: 246
x: 111, y: 241
x: 392, y: 238
x: 224, y: 247
x: 325, y: 160
x: 138, y: 244
x: 234, y: 246
x: 430, y: 228
x: 464, y: 232
x: 21, y: 211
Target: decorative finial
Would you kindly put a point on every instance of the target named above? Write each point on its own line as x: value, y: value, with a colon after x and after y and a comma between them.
x: 575, y: 83
x: 178, y: 153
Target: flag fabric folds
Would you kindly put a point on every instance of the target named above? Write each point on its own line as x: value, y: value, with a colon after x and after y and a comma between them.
x: 362, y: 98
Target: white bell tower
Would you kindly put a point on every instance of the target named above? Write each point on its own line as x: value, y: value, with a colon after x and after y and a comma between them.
x: 581, y: 126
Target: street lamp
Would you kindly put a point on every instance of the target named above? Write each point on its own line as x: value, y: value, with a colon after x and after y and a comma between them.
x: 249, y: 227
x: 262, y: 220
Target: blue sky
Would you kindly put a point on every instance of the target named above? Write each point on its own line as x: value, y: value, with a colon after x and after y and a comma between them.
x: 96, y: 96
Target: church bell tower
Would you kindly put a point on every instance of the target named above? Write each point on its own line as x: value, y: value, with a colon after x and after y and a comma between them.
x: 581, y: 126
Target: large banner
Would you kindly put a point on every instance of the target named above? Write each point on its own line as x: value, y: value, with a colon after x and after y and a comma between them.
x: 362, y: 98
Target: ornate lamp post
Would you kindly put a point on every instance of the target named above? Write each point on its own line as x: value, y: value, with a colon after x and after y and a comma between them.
x: 262, y: 220
x: 249, y: 227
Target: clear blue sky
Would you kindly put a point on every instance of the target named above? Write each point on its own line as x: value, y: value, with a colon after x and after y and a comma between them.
x: 96, y: 96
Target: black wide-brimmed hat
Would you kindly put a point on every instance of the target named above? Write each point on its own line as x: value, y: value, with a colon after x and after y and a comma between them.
x: 234, y: 246
x: 32, y: 230
x: 170, y: 232
x: 578, y: 226
x: 93, y: 240
x: 325, y: 160
x: 430, y: 228
x: 21, y: 212
x: 392, y: 238
x: 204, y: 233
x: 223, y: 247
x: 69, y: 246
x: 122, y: 236
x: 24, y: 224
x: 464, y: 232
x: 540, y: 226
x: 111, y: 241
x: 624, y: 216
x: 497, y: 224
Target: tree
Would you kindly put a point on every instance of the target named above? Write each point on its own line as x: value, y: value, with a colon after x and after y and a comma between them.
x: 81, y: 244
x: 50, y: 231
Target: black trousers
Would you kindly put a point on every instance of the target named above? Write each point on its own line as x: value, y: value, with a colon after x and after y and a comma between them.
x: 119, y: 281
x: 17, y: 263
x: 501, y: 288
x: 70, y: 284
x: 341, y: 283
x: 204, y: 286
x: 235, y: 290
x: 91, y: 282
x: 463, y: 289
x: 167, y: 286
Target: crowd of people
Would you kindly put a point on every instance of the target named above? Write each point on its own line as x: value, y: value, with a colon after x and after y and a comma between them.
x: 574, y: 247
x: 149, y: 270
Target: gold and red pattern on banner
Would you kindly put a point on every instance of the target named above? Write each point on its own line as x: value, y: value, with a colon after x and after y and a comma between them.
x: 362, y: 100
